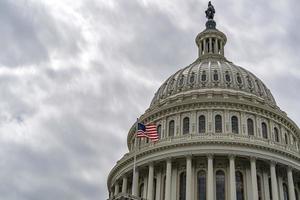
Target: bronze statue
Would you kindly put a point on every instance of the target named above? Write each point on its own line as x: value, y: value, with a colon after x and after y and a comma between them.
x: 210, y: 12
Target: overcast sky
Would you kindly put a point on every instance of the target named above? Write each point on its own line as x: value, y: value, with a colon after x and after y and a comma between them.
x: 74, y: 76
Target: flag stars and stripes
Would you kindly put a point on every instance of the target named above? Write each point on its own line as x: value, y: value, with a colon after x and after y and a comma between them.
x: 147, y: 131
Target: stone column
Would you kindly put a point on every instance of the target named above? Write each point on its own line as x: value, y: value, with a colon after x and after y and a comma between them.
x: 150, y: 182
x: 158, y: 185
x: 291, y: 184
x: 135, y: 183
x: 124, y: 185
x: 232, y: 177
x: 204, y: 46
x: 254, y: 178
x: 168, y: 180
x: 274, y: 181
x: 210, y: 178
x: 188, y: 178
x: 116, y: 188
x: 216, y: 46
x: 200, y: 48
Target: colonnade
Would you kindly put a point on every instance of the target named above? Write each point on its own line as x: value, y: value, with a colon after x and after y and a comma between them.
x: 210, y: 183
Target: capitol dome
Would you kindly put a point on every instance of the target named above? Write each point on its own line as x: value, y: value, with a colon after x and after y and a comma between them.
x: 221, y: 136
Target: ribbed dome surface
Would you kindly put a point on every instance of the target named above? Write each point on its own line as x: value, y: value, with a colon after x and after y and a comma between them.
x: 213, y: 74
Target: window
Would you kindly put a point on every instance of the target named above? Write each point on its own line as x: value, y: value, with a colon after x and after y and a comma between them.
x: 216, y: 76
x: 181, y: 80
x: 159, y: 131
x: 235, y: 125
x: 201, y: 185
x: 220, y: 184
x: 239, y: 79
x: 285, y: 192
x: 203, y: 76
x: 259, y: 188
x: 192, y: 78
x: 286, y: 138
x: 227, y: 77
x: 182, y: 185
x: 201, y: 124
x: 239, y: 185
x: 186, y: 125
x: 171, y: 128
x: 264, y: 130
x: 276, y: 134
x: 218, y: 124
x: 250, y: 126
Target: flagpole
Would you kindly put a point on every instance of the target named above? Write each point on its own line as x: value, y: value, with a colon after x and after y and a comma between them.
x: 134, y: 160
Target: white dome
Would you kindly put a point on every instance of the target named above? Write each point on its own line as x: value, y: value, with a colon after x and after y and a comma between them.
x: 213, y: 74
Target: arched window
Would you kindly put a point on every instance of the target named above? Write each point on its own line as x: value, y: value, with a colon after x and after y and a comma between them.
x: 159, y: 131
x: 201, y: 185
x: 218, y: 124
x: 141, y: 192
x: 235, y: 124
x: 264, y: 130
x: 285, y: 192
x: 186, y: 126
x: 250, y: 126
x: 259, y: 188
x: 201, y: 124
x: 276, y: 134
x: 239, y: 185
x: 286, y: 138
x: 220, y: 184
x: 182, y: 185
x: 171, y: 128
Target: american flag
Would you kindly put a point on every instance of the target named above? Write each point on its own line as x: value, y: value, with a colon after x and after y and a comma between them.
x: 148, y: 131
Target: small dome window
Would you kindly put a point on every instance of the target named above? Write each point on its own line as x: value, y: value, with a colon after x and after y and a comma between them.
x: 249, y: 82
x: 239, y: 79
x: 192, y: 78
x: 181, y: 80
x: 227, y: 77
x: 216, y: 76
x: 203, y: 76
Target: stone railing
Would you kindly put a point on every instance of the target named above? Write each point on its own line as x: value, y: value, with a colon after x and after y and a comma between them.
x: 222, y: 137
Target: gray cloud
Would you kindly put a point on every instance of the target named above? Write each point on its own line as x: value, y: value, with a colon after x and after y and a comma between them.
x: 74, y: 77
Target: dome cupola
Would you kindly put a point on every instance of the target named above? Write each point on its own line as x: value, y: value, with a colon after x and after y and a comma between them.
x: 211, y: 41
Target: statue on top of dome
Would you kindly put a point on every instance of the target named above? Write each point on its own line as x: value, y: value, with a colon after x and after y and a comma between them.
x: 210, y: 12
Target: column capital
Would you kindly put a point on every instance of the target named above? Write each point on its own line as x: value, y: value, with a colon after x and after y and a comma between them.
x: 210, y: 155
x: 273, y: 162
x: 253, y: 159
x: 231, y: 156
x: 289, y: 168
x: 189, y: 156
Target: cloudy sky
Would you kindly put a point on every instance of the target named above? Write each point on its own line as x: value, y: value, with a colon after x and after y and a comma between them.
x: 74, y: 75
